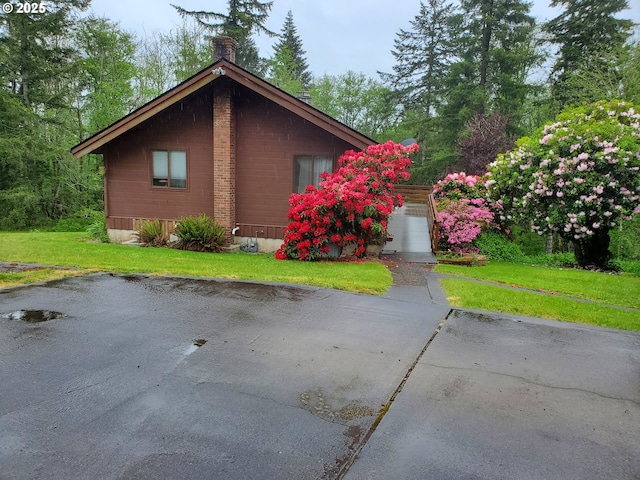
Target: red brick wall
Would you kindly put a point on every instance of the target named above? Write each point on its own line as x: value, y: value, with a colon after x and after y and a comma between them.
x: 224, y: 159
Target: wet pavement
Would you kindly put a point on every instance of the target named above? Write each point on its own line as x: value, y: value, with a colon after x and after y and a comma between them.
x: 180, y: 378
x: 410, y: 231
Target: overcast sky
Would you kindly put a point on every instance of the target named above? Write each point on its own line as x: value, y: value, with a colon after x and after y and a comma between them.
x: 338, y: 35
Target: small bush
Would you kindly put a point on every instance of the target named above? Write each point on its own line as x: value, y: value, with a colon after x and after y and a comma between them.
x: 151, y: 233
x: 199, y: 234
x: 630, y: 266
x: 530, y: 243
x: 98, y: 227
x: 498, y: 247
x: 624, y: 239
x: 73, y: 224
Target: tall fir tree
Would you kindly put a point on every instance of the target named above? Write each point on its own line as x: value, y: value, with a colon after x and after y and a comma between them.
x: 456, y: 62
x: 589, y: 36
x: 423, y: 56
x: 291, y: 43
x: 243, y: 18
x: 497, y: 51
x: 36, y: 51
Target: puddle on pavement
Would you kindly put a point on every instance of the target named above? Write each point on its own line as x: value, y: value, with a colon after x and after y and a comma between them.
x: 227, y: 289
x: 478, y: 317
x: 315, y: 402
x: 33, y: 316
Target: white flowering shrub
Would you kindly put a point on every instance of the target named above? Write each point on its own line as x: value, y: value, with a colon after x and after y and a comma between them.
x: 577, y: 177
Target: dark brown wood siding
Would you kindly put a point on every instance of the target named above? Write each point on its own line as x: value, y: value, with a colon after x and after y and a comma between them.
x: 268, y: 137
x: 187, y: 125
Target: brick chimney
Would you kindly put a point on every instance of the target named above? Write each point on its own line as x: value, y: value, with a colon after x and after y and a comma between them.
x: 224, y: 47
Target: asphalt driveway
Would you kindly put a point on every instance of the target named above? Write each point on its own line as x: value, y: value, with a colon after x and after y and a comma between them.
x: 180, y: 378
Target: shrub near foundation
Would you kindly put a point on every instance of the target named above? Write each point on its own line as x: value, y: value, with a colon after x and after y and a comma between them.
x: 151, y: 233
x: 199, y: 234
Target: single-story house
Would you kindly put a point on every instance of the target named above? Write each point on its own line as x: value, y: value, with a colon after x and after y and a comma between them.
x: 223, y: 142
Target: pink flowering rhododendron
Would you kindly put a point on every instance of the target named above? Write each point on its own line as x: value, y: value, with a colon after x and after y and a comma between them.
x: 351, y: 206
x: 463, y: 210
x: 577, y: 177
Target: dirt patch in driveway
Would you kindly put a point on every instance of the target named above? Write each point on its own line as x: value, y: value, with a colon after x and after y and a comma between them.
x: 409, y: 273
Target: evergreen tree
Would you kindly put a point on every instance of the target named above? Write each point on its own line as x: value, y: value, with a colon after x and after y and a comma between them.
x: 289, y: 48
x: 244, y: 17
x: 497, y: 51
x: 423, y: 56
x: 586, y: 29
x: 630, y: 73
x: 36, y: 51
x: 41, y: 73
x: 456, y: 62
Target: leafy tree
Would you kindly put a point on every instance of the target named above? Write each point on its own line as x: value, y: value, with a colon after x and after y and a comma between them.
x: 586, y: 29
x: 243, y: 18
x: 188, y: 51
x: 484, y: 139
x: 357, y: 101
x: 154, y: 74
x: 288, y: 53
x: 107, y: 64
x: 576, y: 177
x: 605, y: 75
x: 630, y: 73
x: 281, y: 72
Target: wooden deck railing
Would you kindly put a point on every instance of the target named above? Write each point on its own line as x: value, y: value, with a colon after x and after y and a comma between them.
x: 423, y: 194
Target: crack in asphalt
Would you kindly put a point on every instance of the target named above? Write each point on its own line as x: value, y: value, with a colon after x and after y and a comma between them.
x: 383, y: 411
x: 544, y: 385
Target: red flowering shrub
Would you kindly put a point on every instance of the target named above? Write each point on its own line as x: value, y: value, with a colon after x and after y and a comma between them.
x: 350, y: 207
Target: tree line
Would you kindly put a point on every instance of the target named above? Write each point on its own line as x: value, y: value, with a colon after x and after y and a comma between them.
x: 469, y: 78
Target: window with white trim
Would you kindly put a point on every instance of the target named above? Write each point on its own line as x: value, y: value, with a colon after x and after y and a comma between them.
x: 169, y: 168
x: 307, y: 170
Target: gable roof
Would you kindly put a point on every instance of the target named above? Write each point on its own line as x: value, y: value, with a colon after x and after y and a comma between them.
x: 209, y: 74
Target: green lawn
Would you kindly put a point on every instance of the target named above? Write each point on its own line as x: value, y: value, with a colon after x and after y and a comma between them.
x: 76, y: 250
x: 570, y: 282
x: 13, y: 279
x: 613, y: 300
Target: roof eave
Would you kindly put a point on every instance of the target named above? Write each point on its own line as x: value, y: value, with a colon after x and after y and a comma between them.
x: 206, y: 76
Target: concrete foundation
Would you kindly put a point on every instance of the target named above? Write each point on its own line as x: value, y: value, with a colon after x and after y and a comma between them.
x: 122, y: 236
x: 265, y: 245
